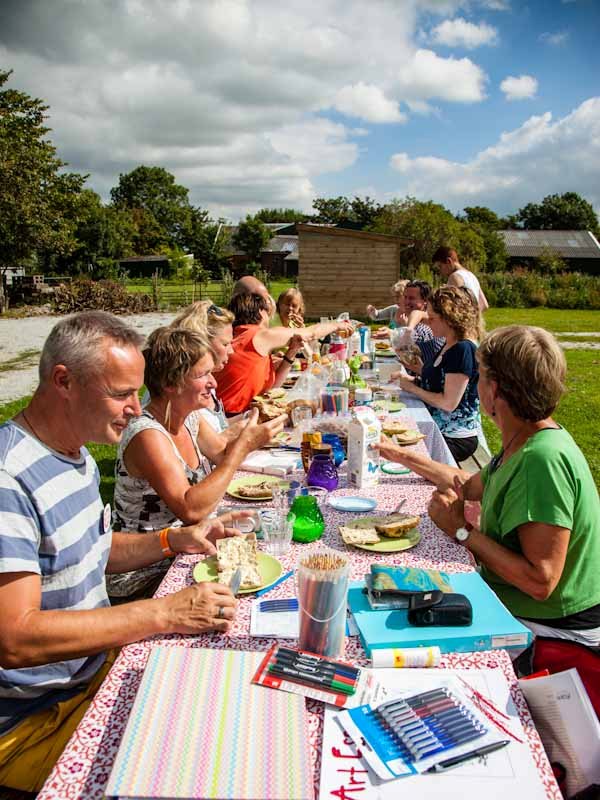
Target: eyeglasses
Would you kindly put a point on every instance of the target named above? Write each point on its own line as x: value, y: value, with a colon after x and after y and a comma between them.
x: 213, y: 309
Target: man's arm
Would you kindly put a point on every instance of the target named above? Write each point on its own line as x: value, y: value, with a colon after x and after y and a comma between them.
x: 30, y: 636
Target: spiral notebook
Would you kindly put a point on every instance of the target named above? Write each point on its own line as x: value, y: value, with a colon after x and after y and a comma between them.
x: 200, y: 729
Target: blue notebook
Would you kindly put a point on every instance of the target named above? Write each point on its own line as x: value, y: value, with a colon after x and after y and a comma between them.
x: 493, y: 626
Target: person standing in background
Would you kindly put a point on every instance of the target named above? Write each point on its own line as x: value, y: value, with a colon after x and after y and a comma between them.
x: 446, y: 261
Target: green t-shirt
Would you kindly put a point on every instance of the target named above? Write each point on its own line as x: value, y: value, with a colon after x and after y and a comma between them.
x: 548, y: 480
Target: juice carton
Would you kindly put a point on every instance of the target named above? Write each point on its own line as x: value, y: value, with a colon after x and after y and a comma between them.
x: 364, y: 432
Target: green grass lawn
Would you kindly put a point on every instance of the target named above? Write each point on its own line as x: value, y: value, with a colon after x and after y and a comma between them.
x: 175, y: 293
x: 579, y: 411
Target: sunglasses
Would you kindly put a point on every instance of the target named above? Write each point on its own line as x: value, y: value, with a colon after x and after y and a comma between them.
x: 213, y: 309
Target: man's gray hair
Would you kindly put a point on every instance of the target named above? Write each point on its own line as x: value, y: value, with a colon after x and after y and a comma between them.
x: 76, y: 342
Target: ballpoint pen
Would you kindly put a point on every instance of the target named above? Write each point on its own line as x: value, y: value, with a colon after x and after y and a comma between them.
x: 457, y: 760
x: 276, y: 583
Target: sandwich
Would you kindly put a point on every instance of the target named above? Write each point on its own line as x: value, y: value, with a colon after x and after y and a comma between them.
x: 239, y: 552
x: 397, y: 526
x: 359, y: 535
x: 257, y: 491
x: 408, y: 437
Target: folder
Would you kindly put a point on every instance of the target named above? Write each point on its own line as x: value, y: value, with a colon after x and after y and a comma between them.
x: 493, y: 626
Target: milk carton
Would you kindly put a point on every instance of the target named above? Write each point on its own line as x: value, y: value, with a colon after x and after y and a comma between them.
x: 364, y: 433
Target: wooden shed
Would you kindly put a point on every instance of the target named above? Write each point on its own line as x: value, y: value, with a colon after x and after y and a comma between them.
x: 344, y: 270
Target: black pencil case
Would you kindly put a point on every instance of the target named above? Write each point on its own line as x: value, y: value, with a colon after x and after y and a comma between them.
x: 439, y: 608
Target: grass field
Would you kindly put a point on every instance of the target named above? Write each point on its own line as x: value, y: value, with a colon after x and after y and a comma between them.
x: 180, y: 293
x: 579, y: 411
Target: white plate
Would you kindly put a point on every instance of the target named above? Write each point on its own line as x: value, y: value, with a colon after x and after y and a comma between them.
x: 352, y: 503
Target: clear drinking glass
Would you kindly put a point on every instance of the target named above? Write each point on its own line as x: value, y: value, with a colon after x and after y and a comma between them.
x: 277, y: 532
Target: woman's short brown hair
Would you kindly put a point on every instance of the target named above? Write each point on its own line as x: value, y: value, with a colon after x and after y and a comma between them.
x: 204, y: 317
x: 529, y: 368
x: 457, y: 309
x: 170, y: 354
x: 246, y: 308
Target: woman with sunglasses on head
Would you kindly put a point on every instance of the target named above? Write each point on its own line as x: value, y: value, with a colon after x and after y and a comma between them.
x: 161, y: 477
x: 250, y: 370
x: 538, y: 539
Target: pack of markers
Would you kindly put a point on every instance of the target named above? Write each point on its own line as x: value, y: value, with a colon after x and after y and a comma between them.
x: 336, y: 682
x: 415, y: 734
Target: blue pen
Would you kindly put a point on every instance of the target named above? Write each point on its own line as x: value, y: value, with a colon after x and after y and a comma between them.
x: 273, y: 585
x: 287, y: 604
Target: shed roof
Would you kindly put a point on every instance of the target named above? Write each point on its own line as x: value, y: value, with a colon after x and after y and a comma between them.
x: 568, y: 244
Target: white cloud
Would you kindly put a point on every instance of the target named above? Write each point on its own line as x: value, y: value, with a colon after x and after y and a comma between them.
x: 367, y: 102
x: 461, y: 33
x: 541, y: 157
x: 558, y: 38
x: 427, y: 75
x: 496, y: 5
x: 521, y: 88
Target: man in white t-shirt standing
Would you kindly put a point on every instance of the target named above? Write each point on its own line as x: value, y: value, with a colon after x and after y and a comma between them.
x: 446, y: 260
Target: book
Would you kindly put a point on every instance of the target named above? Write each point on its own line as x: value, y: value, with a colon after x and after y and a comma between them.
x: 199, y: 728
x: 493, y: 625
x: 567, y: 724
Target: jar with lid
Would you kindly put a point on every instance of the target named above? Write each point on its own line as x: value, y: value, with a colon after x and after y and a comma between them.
x: 322, y: 471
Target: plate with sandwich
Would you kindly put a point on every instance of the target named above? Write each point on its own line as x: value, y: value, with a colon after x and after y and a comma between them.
x: 255, y: 487
x: 406, y: 437
x: 258, y: 570
x: 390, y: 533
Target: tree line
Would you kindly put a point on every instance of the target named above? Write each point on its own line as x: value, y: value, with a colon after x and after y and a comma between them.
x: 51, y: 222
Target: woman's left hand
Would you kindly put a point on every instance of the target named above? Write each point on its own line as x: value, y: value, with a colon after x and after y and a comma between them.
x: 447, y: 510
x: 201, y: 538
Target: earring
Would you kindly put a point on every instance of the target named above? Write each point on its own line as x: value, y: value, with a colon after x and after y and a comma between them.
x: 493, y: 411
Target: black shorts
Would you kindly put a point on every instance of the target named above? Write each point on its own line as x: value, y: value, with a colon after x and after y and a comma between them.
x: 462, y: 449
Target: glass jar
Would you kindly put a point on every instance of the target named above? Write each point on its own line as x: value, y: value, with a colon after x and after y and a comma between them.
x: 322, y: 470
x: 309, y: 523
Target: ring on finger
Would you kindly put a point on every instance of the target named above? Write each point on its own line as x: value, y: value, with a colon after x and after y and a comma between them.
x: 221, y: 612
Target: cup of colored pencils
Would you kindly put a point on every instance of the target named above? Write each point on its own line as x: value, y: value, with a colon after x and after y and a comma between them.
x: 334, y: 400
x: 322, y: 579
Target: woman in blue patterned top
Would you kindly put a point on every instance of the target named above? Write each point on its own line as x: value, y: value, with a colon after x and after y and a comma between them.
x: 448, y: 383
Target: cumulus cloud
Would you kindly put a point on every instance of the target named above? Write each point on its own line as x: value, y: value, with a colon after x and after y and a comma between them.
x: 539, y: 158
x: 558, y: 38
x: 367, y: 102
x: 231, y: 96
x: 461, y: 33
x: 427, y: 76
x: 521, y: 88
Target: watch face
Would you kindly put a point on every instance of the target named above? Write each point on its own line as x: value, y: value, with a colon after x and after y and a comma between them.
x: 462, y: 534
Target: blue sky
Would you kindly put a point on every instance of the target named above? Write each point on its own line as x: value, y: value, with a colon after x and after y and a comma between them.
x: 254, y: 103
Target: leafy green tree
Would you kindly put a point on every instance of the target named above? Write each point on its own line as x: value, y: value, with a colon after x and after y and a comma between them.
x: 357, y: 212
x: 153, y: 191
x: 480, y: 215
x: 252, y: 237
x: 281, y: 215
x: 568, y: 211
x: 36, y: 198
x: 207, y: 241
x: 426, y: 224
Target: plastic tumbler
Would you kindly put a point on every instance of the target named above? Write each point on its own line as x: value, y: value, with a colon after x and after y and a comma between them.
x: 322, y: 582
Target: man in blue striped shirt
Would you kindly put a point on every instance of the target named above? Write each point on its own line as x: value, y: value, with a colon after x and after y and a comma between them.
x: 56, y: 543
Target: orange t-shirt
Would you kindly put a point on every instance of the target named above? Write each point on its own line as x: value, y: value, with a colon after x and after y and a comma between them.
x: 246, y: 374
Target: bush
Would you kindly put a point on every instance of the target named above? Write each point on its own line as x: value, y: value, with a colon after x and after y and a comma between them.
x: 523, y: 288
x: 86, y: 295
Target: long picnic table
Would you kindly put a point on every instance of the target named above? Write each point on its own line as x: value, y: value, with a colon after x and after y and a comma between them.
x: 85, y: 765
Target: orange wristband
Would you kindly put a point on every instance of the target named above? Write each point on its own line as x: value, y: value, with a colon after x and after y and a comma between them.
x: 164, y: 543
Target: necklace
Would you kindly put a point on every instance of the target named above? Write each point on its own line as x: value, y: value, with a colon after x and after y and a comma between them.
x: 497, y: 459
x: 70, y: 453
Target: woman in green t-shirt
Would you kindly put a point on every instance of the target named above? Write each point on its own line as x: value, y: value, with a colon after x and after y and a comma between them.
x: 538, y: 540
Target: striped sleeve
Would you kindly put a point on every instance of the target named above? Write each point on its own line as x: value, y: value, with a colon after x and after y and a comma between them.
x: 19, y: 531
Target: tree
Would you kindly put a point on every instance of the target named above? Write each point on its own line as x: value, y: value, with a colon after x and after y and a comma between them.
x: 480, y: 215
x: 36, y: 198
x: 427, y: 224
x: 162, y: 205
x: 252, y: 237
x: 281, y: 215
x: 205, y: 239
x: 568, y: 211
x: 357, y: 213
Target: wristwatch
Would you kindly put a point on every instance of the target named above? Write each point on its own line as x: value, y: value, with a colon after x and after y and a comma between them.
x: 463, y: 533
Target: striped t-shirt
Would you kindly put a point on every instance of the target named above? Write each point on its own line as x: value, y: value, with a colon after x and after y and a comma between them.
x: 51, y: 524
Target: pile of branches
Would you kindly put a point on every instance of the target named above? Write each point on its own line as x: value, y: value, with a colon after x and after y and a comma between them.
x: 87, y: 295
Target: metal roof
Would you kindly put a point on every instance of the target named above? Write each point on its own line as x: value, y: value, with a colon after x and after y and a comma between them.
x: 568, y: 244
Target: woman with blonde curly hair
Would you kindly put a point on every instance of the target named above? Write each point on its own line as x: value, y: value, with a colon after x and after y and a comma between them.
x: 448, y: 384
